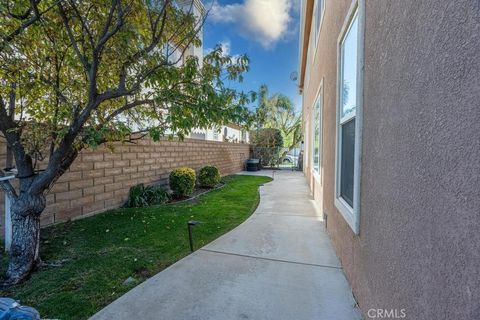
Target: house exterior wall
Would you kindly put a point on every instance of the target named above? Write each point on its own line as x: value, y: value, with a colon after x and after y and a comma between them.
x: 418, y: 247
x: 233, y: 134
x: 198, y: 9
x: 213, y: 135
x: 99, y: 179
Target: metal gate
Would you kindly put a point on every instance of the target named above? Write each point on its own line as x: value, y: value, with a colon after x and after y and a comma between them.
x: 278, y: 158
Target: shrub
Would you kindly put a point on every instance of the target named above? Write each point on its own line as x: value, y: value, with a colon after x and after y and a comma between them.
x: 141, y: 196
x: 157, y: 195
x: 267, y: 146
x: 267, y: 138
x: 182, y: 181
x: 209, y: 176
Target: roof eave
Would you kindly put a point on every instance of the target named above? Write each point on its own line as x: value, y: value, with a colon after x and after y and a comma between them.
x: 306, y: 23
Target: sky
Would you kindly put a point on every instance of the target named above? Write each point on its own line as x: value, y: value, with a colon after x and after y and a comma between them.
x: 265, y: 30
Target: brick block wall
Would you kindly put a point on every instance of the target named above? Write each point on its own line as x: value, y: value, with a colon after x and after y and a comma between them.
x: 100, y: 179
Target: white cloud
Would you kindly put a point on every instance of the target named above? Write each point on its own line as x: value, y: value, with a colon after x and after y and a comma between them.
x: 265, y: 21
x: 227, y: 13
x: 226, y: 46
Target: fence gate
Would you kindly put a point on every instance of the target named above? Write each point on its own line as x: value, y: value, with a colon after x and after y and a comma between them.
x: 278, y: 158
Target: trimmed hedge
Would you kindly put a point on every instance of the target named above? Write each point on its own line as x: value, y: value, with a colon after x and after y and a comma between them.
x: 209, y: 176
x: 182, y: 181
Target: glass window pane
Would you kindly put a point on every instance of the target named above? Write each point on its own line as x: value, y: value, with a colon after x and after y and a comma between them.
x: 347, y: 161
x: 317, y: 135
x: 349, y: 70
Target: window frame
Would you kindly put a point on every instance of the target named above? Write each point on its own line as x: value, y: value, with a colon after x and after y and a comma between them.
x: 351, y: 214
x: 318, y: 99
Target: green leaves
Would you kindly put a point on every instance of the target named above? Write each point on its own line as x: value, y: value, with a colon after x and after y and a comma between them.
x: 278, y: 112
x: 155, y: 134
x: 99, y: 71
x: 144, y: 196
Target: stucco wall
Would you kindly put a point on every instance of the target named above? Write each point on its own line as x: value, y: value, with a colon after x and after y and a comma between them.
x: 419, y: 242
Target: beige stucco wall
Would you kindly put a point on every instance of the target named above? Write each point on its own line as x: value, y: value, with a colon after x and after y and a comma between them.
x: 419, y: 242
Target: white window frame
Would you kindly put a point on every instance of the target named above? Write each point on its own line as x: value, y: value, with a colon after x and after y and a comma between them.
x: 318, y: 99
x: 351, y: 214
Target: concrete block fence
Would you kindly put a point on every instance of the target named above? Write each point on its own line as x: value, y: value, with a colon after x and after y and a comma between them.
x: 99, y: 179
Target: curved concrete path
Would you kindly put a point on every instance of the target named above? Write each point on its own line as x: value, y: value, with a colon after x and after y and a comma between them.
x: 279, y: 264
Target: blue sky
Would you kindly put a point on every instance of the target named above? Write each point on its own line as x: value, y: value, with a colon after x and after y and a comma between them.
x: 265, y: 30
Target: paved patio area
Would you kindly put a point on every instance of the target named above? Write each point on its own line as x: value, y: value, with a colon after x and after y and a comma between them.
x: 279, y: 264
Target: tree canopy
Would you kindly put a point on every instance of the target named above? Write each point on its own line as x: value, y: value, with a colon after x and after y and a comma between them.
x: 75, y: 74
x: 90, y: 72
x: 278, y: 111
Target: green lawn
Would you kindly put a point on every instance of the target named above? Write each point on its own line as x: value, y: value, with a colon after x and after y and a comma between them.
x: 104, y: 250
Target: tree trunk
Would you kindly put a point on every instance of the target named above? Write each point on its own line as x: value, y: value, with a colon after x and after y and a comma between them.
x: 24, y: 251
x: 290, y: 148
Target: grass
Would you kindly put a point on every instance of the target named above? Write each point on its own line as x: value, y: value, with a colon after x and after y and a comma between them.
x: 102, y: 251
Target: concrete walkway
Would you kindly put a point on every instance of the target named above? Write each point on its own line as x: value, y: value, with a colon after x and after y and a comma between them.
x: 279, y: 264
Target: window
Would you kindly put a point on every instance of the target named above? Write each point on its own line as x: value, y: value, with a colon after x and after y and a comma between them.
x: 225, y: 132
x: 349, y: 103
x: 347, y: 165
x: 317, y: 131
